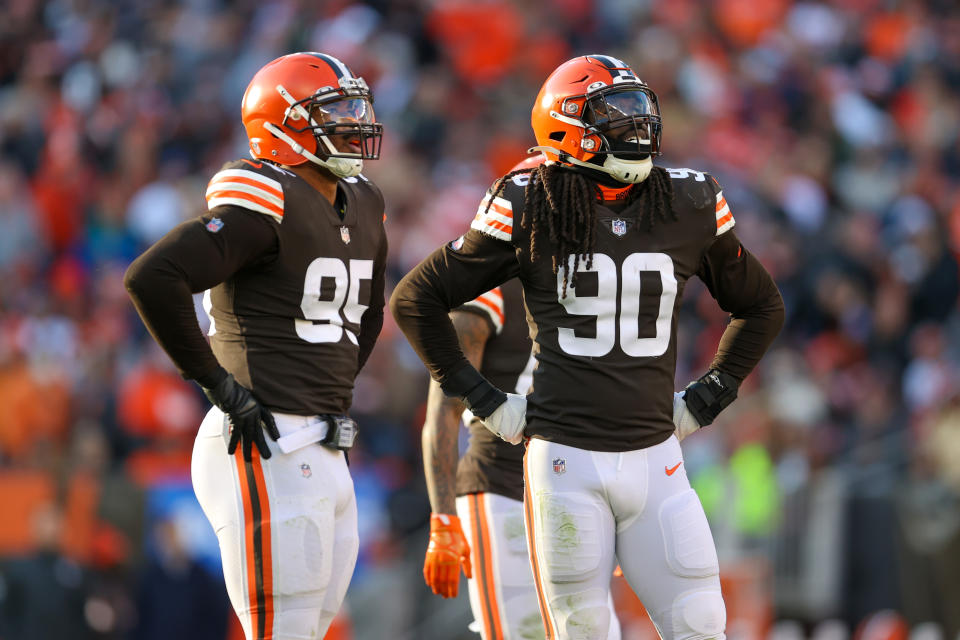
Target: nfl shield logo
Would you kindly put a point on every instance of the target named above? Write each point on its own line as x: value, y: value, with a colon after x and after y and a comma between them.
x: 559, y: 465
x: 619, y: 227
x: 305, y: 470
x: 345, y: 235
x: 214, y: 225
x: 457, y: 244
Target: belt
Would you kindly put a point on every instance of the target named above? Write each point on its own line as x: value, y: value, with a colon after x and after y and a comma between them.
x: 313, y: 432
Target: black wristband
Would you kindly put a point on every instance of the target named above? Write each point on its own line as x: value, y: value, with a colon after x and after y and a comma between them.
x: 481, y: 397
x: 484, y: 399
x: 710, y: 394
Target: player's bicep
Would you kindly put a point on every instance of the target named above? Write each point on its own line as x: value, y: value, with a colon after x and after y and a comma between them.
x: 734, y: 276
x: 205, y: 251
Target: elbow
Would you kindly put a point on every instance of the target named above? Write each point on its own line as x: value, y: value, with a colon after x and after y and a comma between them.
x: 132, y: 279
x: 777, y: 311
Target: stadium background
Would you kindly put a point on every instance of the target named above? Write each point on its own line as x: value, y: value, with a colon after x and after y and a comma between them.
x: 832, y: 485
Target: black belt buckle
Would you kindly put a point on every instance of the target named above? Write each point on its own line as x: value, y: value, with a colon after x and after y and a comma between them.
x: 341, y: 433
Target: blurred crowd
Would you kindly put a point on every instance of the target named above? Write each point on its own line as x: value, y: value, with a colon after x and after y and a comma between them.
x: 832, y: 484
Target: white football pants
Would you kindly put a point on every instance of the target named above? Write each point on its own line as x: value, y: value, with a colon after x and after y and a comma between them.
x: 589, y: 509
x: 287, y: 527
x: 502, y: 593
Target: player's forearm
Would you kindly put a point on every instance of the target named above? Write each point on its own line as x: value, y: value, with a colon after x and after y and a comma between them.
x: 165, y: 303
x: 750, y: 333
x: 370, y: 326
x: 421, y: 313
x: 440, y: 449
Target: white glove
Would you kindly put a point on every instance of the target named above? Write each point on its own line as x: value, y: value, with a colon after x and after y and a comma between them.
x: 683, y: 420
x: 509, y: 420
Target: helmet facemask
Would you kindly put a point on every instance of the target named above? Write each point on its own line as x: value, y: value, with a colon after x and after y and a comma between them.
x: 622, y: 130
x: 337, y: 118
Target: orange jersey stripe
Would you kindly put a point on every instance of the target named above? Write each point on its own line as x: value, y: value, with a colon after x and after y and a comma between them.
x: 250, y: 183
x: 488, y: 568
x: 492, y: 306
x: 721, y: 204
x: 494, y: 292
x: 247, y: 196
x: 494, y: 224
x: 725, y: 219
x: 532, y: 551
x: 501, y: 210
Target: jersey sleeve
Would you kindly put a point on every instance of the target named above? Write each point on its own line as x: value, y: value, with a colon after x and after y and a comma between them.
x: 742, y: 287
x: 452, y: 275
x: 246, y: 188
x: 494, y: 217
x: 725, y: 220
x: 371, y: 322
x: 195, y: 256
x: 489, y: 305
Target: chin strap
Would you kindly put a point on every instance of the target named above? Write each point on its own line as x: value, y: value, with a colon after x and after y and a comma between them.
x: 341, y: 167
x: 626, y: 171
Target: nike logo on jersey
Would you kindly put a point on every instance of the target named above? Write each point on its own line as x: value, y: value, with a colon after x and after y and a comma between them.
x: 671, y: 470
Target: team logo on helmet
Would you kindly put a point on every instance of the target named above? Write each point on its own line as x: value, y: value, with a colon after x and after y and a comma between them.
x: 559, y: 466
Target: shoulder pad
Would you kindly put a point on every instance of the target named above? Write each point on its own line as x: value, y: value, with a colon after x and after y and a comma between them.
x: 495, y: 216
x: 491, y: 305
x: 249, y: 185
x: 704, y: 191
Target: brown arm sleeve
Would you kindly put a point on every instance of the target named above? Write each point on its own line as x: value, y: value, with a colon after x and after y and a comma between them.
x: 442, y: 425
x: 189, y: 259
x: 445, y: 280
x: 743, y: 288
x: 372, y: 321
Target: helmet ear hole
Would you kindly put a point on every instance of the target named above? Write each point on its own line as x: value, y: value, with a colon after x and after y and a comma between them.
x: 558, y: 136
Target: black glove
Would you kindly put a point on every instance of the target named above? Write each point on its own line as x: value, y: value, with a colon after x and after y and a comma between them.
x: 710, y: 394
x: 247, y: 418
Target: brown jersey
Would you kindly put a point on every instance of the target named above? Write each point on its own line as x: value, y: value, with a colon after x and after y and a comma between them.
x: 489, y: 464
x: 606, y: 353
x: 288, y: 329
x: 294, y: 291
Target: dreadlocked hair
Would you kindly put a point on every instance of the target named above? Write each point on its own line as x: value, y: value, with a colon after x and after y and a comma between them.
x: 561, y: 204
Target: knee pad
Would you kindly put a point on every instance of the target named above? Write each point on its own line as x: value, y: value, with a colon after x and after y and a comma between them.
x: 584, y: 615
x: 569, y: 536
x: 689, y: 545
x: 698, y: 615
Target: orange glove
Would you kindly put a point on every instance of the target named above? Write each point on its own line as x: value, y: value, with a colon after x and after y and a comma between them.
x: 447, y: 552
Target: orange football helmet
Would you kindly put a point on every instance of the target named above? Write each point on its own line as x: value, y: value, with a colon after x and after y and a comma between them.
x: 594, y: 112
x: 294, y: 104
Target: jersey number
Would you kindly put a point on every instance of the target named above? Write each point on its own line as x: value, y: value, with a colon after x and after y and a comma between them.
x: 603, y: 305
x: 323, y: 322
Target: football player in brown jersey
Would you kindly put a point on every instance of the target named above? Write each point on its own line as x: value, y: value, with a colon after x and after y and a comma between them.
x: 603, y: 243
x: 477, y: 520
x: 291, y: 255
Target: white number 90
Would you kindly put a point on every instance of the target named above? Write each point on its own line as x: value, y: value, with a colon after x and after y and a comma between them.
x: 604, y: 306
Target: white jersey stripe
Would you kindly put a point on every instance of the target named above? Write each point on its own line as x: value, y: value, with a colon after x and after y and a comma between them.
x: 482, y: 227
x: 493, y: 215
x: 246, y: 204
x: 250, y: 175
x: 220, y: 187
